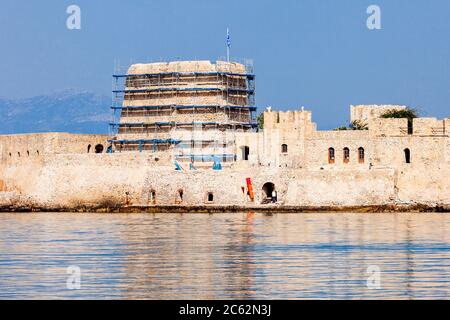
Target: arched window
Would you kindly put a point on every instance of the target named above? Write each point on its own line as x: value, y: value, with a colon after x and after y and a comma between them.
x: 284, y: 148
x: 407, y: 155
x: 99, y: 148
x: 331, y: 156
x: 28, y: 152
x: 89, y: 148
x: 346, y: 155
x: 210, y: 197
x: 361, y: 155
x: 245, y: 153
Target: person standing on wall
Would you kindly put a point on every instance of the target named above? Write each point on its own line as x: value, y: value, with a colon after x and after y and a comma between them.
x: 274, y: 196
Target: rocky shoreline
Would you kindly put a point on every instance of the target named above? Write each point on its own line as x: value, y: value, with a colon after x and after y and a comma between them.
x: 210, y: 209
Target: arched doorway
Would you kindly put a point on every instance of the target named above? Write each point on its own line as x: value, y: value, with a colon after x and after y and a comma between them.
x: 267, y: 190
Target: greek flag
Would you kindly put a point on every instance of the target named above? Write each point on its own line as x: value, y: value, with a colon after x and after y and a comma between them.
x: 228, y: 39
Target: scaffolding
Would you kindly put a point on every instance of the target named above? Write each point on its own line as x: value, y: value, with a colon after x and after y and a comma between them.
x: 196, y: 114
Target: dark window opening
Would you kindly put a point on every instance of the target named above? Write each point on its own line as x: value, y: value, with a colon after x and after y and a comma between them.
x: 28, y: 153
x: 346, y: 155
x: 18, y: 153
x: 152, y: 197
x: 89, y: 148
x: 210, y: 197
x: 245, y: 153
x: 331, y: 157
x: 284, y: 148
x: 407, y: 155
x: 410, y: 126
x: 99, y: 148
x: 180, y: 195
x: 361, y: 155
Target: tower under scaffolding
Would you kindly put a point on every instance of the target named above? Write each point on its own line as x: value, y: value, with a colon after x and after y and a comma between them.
x: 191, y: 108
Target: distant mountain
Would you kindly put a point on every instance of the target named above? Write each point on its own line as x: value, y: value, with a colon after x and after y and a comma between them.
x: 66, y: 111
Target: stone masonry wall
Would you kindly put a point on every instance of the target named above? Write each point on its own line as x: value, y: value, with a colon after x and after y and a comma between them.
x: 65, y: 175
x: 72, y: 180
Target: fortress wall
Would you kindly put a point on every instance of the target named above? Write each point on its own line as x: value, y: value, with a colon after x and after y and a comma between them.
x: 184, y: 115
x: 388, y: 127
x: 390, y: 151
x: 339, y: 135
x: 288, y: 119
x: 187, y: 66
x: 428, y: 127
x: 285, y: 128
x: 188, y: 83
x: 16, y: 146
x: 202, y: 116
x: 253, y: 141
x: 365, y: 113
x: 64, y: 174
x: 342, y: 187
x: 67, y: 180
x: 96, y: 179
x: 70, y: 180
x: 180, y: 99
x: 150, y: 135
x: 421, y: 183
x: 316, y: 155
x: 447, y: 151
x: 19, y: 146
x: 180, y: 134
x: 381, y: 151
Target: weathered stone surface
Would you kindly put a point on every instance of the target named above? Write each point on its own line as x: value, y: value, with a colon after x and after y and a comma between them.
x: 383, y: 168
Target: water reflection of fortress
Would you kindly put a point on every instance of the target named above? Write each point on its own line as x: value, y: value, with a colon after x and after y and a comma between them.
x: 265, y: 257
x: 185, y: 133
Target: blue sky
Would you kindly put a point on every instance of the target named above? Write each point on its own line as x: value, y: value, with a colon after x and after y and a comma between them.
x: 313, y: 53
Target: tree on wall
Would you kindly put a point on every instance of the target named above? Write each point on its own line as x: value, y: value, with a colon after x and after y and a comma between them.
x: 341, y: 128
x: 354, y: 125
x: 407, y: 113
x: 260, y: 120
x: 358, y: 125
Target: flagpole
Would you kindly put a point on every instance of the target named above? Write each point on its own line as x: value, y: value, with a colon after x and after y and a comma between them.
x: 228, y: 45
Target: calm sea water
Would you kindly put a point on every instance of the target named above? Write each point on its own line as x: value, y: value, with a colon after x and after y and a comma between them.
x: 225, y: 256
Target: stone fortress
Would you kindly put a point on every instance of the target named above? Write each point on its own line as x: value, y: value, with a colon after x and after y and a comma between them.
x: 184, y: 137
